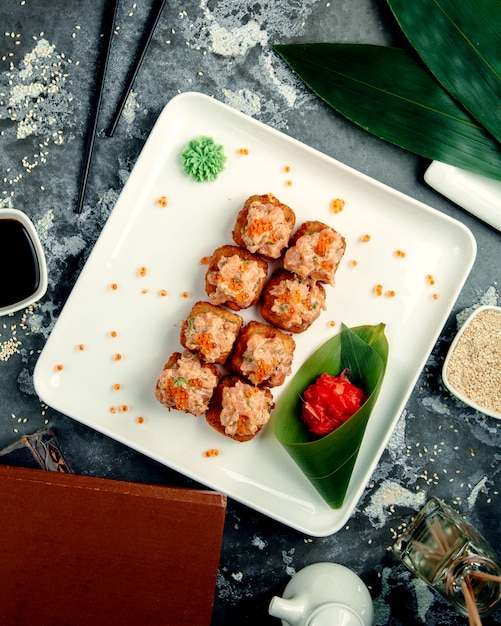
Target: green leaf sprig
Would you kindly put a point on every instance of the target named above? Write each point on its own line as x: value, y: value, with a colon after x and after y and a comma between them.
x: 328, y: 461
x: 444, y: 104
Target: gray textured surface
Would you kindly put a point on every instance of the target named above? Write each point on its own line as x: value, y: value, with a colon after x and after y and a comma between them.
x: 48, y: 51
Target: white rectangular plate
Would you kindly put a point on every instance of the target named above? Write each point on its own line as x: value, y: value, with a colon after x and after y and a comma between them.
x: 170, y: 243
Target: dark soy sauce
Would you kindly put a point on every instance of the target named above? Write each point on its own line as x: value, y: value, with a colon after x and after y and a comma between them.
x: 19, y: 269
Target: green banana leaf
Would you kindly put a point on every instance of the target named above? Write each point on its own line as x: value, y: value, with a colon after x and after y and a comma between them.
x: 388, y: 92
x: 328, y: 461
x: 460, y: 42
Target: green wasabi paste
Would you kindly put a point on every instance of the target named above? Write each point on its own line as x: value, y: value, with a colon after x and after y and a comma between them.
x: 203, y: 159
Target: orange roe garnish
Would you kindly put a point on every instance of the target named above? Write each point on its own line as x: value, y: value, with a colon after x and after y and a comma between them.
x: 80, y: 347
x: 326, y: 265
x: 258, y: 227
x: 365, y: 238
x: 287, y: 168
x: 251, y: 391
x: 177, y: 393
x: 139, y: 420
x: 241, y: 297
x: 113, y: 333
x: 142, y: 271
x: 378, y: 290
x: 263, y: 368
x: 163, y: 292
x: 124, y: 408
x: 205, y: 260
x: 390, y: 294
x: 242, y: 425
x: 400, y: 254
x: 243, y: 151
x: 337, y: 205
x: 332, y: 323
x: 353, y: 263
x: 429, y: 279
x: 288, y: 183
x: 324, y: 241
x: 113, y: 409
x: 59, y: 367
x: 185, y: 294
x: 435, y: 296
x: 162, y: 201
x: 295, y: 295
x: 206, y: 341
x: 211, y: 452
x: 117, y: 357
x: 117, y: 386
x: 113, y: 286
x: 143, y: 291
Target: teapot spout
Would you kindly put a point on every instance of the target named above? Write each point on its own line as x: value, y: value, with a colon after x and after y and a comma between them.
x: 290, y: 611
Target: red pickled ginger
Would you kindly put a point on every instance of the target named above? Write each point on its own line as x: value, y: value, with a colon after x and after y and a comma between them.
x: 329, y: 402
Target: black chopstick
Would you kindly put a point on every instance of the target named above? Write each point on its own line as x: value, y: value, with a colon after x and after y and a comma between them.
x: 91, y: 134
x: 148, y: 34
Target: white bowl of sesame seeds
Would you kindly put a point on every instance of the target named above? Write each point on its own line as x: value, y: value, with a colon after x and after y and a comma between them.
x: 472, y: 368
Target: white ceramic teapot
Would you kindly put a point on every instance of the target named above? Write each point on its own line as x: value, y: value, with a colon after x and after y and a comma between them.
x: 324, y: 594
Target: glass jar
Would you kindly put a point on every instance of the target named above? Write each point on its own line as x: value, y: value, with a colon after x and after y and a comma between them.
x: 447, y: 553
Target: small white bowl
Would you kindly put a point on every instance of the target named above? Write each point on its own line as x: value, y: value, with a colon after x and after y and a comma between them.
x: 40, y: 287
x: 470, y: 362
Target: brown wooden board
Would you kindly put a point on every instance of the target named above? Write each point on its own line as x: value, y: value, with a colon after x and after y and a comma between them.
x: 78, y: 550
